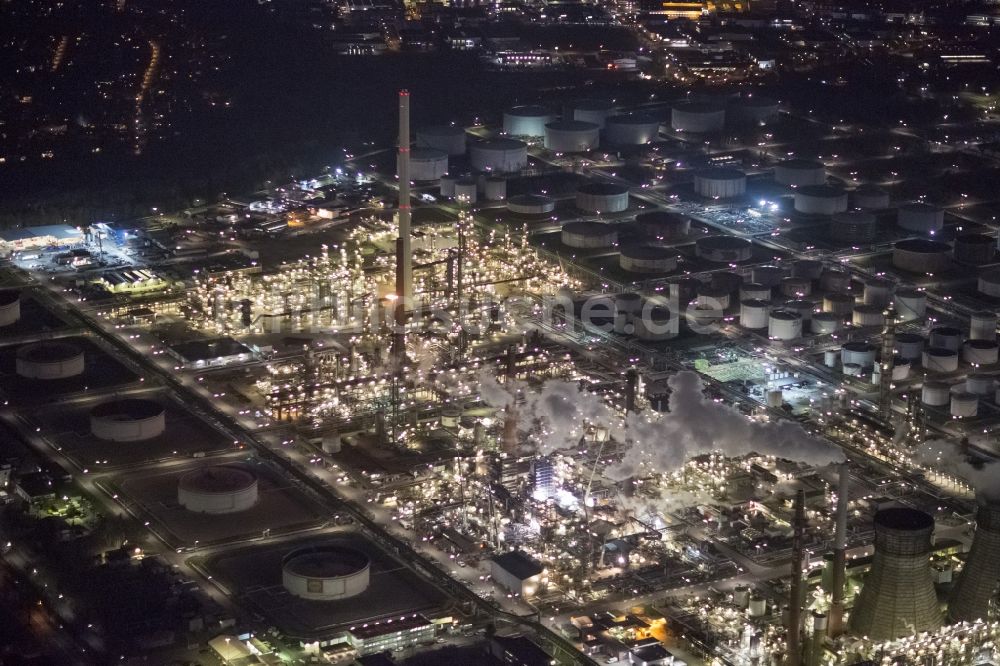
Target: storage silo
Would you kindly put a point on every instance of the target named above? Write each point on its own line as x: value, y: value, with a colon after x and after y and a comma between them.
x: 527, y: 121
x: 571, y: 136
x: 898, y: 597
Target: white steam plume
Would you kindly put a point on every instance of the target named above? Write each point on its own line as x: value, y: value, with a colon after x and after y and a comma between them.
x: 947, y: 456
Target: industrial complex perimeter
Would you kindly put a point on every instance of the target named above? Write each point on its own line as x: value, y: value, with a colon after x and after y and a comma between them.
x: 707, y: 378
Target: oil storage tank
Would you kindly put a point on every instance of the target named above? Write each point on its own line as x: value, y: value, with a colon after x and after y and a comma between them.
x: 531, y: 204
x: 974, y: 248
x: 527, y: 121
x: 724, y: 249
x: 427, y: 164
x: 648, y: 259
x: 449, y: 138
x: 800, y: 173
x: 752, y: 110
x: 919, y: 255
x: 499, y: 155
x: 898, y: 597
x: 325, y: 572
x: 720, y: 183
x: 631, y: 130
x: 878, y: 291
x: 983, y: 325
x: 571, y: 136
x: 920, y: 218
x: 588, y: 235
x: 936, y: 359
x: 980, y: 352
x: 935, y: 394
x: 49, y: 360
x: 909, y: 345
x: 867, y: 316
x: 784, y: 325
x: 128, y: 420
x: 754, y: 313
x: 602, y: 198
x: 768, y: 276
x: 989, y: 283
x: 870, y: 197
x: 218, y: 489
x: 10, y: 306
x: 911, y: 304
x: 663, y: 226
x: 698, y: 117
x: 594, y: 111
x: 853, y: 227
x: 820, y: 200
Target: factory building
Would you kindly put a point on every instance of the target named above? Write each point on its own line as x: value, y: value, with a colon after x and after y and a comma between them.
x: 517, y: 572
x: 210, y: 353
x: 34, y: 238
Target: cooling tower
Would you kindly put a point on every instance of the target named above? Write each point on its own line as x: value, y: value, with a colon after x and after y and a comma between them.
x: 898, y: 597
x: 970, y: 598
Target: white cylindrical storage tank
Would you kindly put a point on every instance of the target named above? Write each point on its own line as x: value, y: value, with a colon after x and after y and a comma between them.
x: 936, y: 359
x: 803, y: 307
x: 724, y: 249
x: 826, y: 323
x: 325, y: 572
x: 531, y: 204
x: 900, y: 369
x: 727, y: 280
x: 835, y: 280
x: 495, y: 189
x: 920, y: 218
x: 528, y: 121
x: 10, y: 306
x: 841, y: 305
x: 719, y: 183
x: 758, y: 606
x: 499, y: 155
x: 588, y: 235
x: 741, y: 596
x: 218, y: 489
x: 852, y: 370
x: 980, y: 384
x: 466, y: 191
x: 655, y: 325
x: 878, y: 291
x: 448, y: 186
x: 775, y: 398
x: 698, y: 117
x: 859, y: 353
x: 983, y: 325
x: 753, y: 313
x: 830, y: 358
x: 974, y: 248
x: 710, y: 296
x: 946, y: 337
x: 755, y: 291
x: 800, y: 173
x: 784, y: 325
x: 870, y: 197
x: 571, y: 136
x: 964, y: 405
x: 919, y: 255
x: 602, y: 198
x: 935, y: 394
x: 868, y: 315
x: 911, y: 304
x: 909, y: 345
x: 769, y: 276
x: 811, y: 269
x: 629, y: 303
x: 663, y: 226
x: 128, y: 420
x: 820, y: 200
x: 49, y: 360
x: 594, y: 111
x: 648, y: 259
x: 449, y: 138
x: 796, y: 286
x: 631, y: 130
x: 855, y: 227
x: 753, y: 110
x: 980, y: 352
x: 989, y: 283
x: 428, y: 164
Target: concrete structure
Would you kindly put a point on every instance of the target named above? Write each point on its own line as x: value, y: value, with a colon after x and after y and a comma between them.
x: 989, y: 283
x: 820, y: 200
x: 218, y: 489
x: 527, y: 121
x: 449, y: 138
x: 531, y: 204
x: 663, y: 226
x: 698, y: 117
x: 754, y: 313
x: 49, y: 360
x: 918, y: 255
x: 631, y: 130
x: 428, y: 164
x: 571, y: 136
x: 898, y: 597
x: 517, y: 572
x: 853, y: 227
x: 784, y: 325
x: 869, y: 197
x: 800, y: 173
x: 325, y: 572
x: 974, y: 248
x: 10, y: 307
x: 724, y: 249
x: 920, y: 218
x: 973, y: 593
x: 602, y: 198
x: 499, y: 155
x: 594, y: 111
x: 911, y: 304
x: 588, y: 235
x: 719, y: 183
x: 128, y: 420
x: 936, y: 359
x: 980, y: 352
x: 648, y: 259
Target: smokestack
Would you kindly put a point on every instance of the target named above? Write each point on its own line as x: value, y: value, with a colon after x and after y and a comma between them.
x: 794, y: 656
x: 509, y: 443
x: 885, y: 364
x: 977, y: 584
x: 835, y: 622
x: 631, y: 389
x: 815, y: 653
x: 404, y: 258
x: 898, y: 597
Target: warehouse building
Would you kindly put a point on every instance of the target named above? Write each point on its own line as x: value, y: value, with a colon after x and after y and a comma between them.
x: 34, y: 238
x: 517, y: 572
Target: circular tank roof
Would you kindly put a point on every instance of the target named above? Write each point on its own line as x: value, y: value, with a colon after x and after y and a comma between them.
x: 720, y: 173
x: 799, y: 163
x: 127, y: 409
x: 602, y: 189
x: 500, y: 144
x: 648, y: 252
x: 571, y: 126
x: 325, y: 561
x: 428, y: 154
x: 723, y: 243
x: 529, y: 111
x: 975, y: 239
x: 821, y: 191
x: 922, y: 245
x: 48, y: 352
x: 8, y: 296
x: 218, y: 479
x: 585, y: 228
x: 633, y: 119
x: 903, y: 518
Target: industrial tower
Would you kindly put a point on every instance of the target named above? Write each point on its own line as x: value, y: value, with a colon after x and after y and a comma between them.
x: 977, y: 584
x: 404, y: 257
